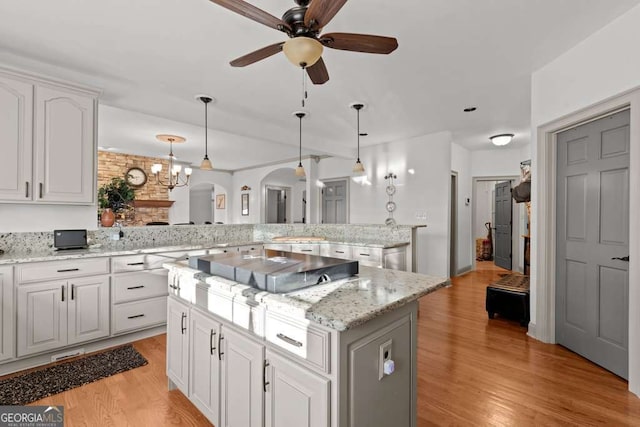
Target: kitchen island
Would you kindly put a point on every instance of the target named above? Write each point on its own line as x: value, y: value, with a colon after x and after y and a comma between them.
x: 341, y: 353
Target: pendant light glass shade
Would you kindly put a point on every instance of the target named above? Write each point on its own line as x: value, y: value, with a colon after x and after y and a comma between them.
x: 358, y: 168
x: 300, y: 169
x: 302, y: 51
x: 206, y: 163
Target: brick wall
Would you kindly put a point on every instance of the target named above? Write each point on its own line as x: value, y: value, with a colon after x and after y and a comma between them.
x: 111, y: 165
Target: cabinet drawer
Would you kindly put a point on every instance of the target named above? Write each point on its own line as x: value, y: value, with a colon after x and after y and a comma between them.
x: 278, y: 247
x: 139, y: 285
x: 336, y: 251
x: 139, y: 314
x: 300, y: 338
x: 215, y: 302
x: 250, y: 249
x: 182, y: 255
x: 301, y: 248
x: 40, y: 271
x: 372, y: 255
x: 248, y: 316
x: 138, y: 262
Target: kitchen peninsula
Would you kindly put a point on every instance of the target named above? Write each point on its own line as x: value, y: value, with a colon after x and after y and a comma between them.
x: 341, y: 353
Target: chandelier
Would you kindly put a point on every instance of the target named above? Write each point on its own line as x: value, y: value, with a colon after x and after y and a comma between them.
x: 174, y: 177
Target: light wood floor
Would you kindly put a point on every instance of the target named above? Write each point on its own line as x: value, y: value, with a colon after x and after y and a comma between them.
x: 471, y: 371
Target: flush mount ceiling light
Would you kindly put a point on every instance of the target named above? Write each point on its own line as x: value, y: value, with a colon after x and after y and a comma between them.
x: 300, y: 169
x: 206, y: 163
x: 501, y: 139
x: 358, y: 167
x: 174, y: 179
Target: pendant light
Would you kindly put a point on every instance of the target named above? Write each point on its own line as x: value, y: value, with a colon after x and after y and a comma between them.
x: 358, y: 167
x: 206, y: 163
x: 300, y: 169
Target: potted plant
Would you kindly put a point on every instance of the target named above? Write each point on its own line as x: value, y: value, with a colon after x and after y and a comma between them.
x: 114, y: 196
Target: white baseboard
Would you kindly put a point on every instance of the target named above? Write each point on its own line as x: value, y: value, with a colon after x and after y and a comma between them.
x: 532, y: 331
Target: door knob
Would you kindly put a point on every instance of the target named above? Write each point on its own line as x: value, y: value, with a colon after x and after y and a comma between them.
x: 624, y: 258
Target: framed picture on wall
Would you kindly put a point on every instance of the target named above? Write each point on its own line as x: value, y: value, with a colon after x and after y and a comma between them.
x: 245, y: 204
x: 220, y: 201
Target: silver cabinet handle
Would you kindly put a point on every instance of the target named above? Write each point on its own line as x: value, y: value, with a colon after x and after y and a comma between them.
x: 288, y: 340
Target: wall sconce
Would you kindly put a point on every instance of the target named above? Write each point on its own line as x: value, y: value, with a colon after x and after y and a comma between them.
x: 245, y: 188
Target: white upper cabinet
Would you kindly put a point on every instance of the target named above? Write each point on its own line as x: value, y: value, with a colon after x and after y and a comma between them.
x: 50, y: 132
x: 16, y: 120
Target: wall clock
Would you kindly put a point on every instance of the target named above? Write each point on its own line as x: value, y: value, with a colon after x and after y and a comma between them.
x: 135, y: 177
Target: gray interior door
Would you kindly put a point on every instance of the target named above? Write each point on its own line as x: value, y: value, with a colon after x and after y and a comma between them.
x: 502, y: 243
x: 592, y: 286
x: 334, y: 202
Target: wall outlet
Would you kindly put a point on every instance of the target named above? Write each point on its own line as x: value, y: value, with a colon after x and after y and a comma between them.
x: 385, y: 354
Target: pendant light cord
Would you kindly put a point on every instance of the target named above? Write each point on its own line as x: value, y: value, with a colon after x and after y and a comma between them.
x: 358, y: 111
x: 300, y: 146
x: 206, y: 130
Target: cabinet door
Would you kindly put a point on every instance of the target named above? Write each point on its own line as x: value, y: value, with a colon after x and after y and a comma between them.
x: 7, y: 346
x: 88, y: 309
x: 242, y: 381
x: 42, y: 317
x: 295, y: 396
x: 178, y: 344
x: 204, y: 366
x: 16, y: 122
x: 65, y: 149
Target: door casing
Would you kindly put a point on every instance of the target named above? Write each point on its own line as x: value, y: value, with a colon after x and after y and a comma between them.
x: 543, y: 227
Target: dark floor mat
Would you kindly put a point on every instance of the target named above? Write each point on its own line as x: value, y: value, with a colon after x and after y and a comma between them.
x: 36, y: 385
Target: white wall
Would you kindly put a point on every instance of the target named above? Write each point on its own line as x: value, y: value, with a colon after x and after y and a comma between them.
x: 602, y: 66
x: 461, y: 164
x: 201, y: 203
x: 498, y: 162
x: 427, y: 191
x: 179, y: 212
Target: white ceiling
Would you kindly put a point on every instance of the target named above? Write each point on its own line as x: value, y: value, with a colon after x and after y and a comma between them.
x: 151, y: 57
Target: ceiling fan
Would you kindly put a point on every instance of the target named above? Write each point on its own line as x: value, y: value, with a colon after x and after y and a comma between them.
x: 303, y: 25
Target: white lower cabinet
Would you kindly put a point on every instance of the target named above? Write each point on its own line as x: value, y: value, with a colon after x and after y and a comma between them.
x: 7, y: 333
x: 204, y: 365
x: 58, y: 313
x: 243, y: 370
x: 295, y: 396
x: 178, y: 345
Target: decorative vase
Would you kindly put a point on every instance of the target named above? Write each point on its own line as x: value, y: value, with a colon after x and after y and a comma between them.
x: 107, y: 218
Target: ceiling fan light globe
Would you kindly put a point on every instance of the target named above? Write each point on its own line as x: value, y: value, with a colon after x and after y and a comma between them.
x: 302, y: 51
x: 206, y: 164
x: 300, y: 171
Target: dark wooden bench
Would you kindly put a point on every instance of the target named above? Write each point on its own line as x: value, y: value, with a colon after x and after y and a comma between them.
x: 509, y: 298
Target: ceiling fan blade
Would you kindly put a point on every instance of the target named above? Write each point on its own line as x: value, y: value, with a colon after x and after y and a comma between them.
x: 318, y: 72
x: 250, y: 11
x: 320, y: 12
x: 257, y: 55
x: 359, y: 42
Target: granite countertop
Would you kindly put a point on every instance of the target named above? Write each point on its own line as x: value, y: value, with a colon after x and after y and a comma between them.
x: 339, y: 305
x: 105, y: 251
x: 369, y: 243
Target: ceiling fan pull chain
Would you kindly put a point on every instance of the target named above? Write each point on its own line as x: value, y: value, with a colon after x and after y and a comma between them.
x: 304, y: 88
